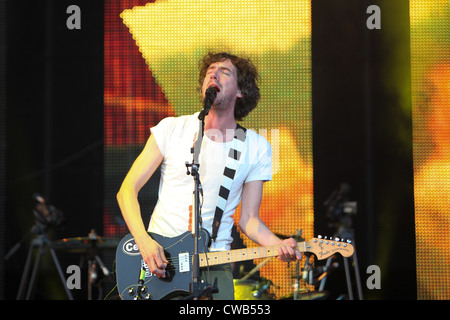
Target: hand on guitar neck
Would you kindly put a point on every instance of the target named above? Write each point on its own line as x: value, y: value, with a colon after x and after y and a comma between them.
x: 288, y: 251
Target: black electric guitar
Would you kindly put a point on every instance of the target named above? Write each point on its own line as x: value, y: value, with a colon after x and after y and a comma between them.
x: 135, y: 281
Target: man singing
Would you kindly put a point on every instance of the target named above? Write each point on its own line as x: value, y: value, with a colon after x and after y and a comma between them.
x: 169, y: 145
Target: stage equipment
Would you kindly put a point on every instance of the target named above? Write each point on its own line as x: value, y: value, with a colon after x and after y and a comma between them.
x: 307, y: 295
x: 46, y: 217
x: 340, y: 214
x: 307, y: 272
x: 253, y: 289
x: 89, y: 247
x: 246, y: 288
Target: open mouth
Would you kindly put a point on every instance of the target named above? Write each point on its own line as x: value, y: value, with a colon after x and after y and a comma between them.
x: 215, y: 86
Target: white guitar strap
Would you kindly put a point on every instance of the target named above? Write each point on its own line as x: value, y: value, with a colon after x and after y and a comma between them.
x: 231, y: 165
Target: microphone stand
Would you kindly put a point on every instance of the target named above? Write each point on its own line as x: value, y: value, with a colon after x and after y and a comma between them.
x: 197, y: 288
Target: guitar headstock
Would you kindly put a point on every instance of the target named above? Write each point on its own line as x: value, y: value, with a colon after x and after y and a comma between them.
x: 324, y: 248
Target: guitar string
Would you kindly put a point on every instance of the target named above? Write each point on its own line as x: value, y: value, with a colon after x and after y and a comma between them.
x: 214, y: 255
x: 231, y: 255
x: 227, y: 256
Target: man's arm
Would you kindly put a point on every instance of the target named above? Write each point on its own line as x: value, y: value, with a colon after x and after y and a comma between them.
x: 142, y: 169
x: 252, y: 225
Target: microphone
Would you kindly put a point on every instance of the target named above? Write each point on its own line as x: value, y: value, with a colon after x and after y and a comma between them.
x: 210, y: 95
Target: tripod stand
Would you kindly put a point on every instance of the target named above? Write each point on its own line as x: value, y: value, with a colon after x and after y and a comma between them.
x: 46, y: 216
x: 345, y: 231
x: 39, y: 244
x: 347, y: 234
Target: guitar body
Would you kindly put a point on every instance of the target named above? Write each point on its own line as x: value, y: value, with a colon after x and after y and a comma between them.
x: 135, y: 281
x: 178, y: 251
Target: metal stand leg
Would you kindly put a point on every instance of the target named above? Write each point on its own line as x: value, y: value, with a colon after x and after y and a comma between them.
x: 340, y: 214
x: 92, y: 276
x: 357, y: 278
x: 323, y: 279
x: 26, y: 272
x: 348, y: 276
x: 94, y: 263
x: 61, y: 275
x: 40, y: 243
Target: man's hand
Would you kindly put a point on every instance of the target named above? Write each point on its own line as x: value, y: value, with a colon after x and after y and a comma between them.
x: 153, y: 255
x: 288, y: 251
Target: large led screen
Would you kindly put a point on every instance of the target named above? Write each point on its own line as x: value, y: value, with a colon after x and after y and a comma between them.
x: 430, y: 65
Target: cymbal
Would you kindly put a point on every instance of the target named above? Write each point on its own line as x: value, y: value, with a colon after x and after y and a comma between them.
x: 83, y: 244
x: 310, y: 295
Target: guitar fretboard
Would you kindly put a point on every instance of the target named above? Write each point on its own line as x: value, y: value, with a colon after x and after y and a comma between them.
x: 236, y: 255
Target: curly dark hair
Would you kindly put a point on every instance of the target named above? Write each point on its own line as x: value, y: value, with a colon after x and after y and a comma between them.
x: 247, y: 75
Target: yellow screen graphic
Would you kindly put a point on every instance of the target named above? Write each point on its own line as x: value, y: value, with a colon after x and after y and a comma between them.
x: 430, y: 65
x: 152, y: 52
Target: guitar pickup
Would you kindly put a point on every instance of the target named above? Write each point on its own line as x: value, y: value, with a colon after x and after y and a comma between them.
x: 183, y: 261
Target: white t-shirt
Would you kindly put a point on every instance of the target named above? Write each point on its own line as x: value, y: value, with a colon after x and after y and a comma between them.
x: 175, y: 137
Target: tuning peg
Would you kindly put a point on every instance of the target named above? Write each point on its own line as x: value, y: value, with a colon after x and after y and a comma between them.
x: 319, y: 236
x: 336, y: 239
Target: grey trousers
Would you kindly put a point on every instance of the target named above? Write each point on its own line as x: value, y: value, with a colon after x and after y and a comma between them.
x: 224, y: 277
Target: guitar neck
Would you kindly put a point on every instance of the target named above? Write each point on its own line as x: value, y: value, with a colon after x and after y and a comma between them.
x: 220, y: 257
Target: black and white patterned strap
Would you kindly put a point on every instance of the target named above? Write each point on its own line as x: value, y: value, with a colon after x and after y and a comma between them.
x: 231, y: 166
